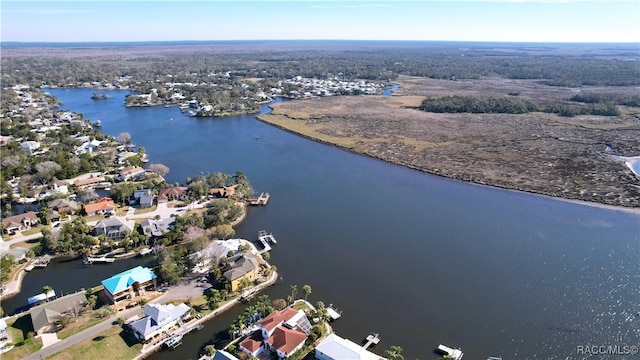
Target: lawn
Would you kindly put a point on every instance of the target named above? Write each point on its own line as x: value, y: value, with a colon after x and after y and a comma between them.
x: 145, y: 210
x: 85, y: 321
x: 34, y: 230
x: 21, y: 334
x: 113, y: 343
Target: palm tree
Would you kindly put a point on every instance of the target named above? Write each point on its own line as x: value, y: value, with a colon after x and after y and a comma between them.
x: 45, y: 290
x: 394, y: 353
x: 233, y: 329
x: 294, y: 291
x: 306, y: 289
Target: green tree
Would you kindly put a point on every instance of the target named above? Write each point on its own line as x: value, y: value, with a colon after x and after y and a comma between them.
x: 394, y: 352
x: 294, y: 291
x: 45, y: 290
x: 210, y: 350
x: 306, y: 289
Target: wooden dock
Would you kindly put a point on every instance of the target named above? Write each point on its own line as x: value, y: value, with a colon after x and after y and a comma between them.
x: 372, y: 339
x: 260, y: 200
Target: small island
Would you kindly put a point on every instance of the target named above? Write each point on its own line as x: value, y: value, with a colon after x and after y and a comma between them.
x: 97, y: 96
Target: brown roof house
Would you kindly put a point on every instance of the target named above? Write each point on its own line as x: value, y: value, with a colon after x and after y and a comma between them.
x: 172, y: 194
x: 16, y: 223
x: 283, y: 332
x: 104, y: 205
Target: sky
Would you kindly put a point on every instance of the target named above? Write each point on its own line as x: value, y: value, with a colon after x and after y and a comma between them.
x: 453, y: 20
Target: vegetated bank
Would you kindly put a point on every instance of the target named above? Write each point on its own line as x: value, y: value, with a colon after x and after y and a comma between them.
x: 514, y: 134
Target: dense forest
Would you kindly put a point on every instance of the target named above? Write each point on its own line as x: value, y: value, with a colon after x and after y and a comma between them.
x: 145, y: 66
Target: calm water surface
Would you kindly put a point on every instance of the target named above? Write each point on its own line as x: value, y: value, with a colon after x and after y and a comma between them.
x: 420, y: 259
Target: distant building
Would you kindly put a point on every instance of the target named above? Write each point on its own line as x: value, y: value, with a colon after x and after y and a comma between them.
x: 45, y: 316
x: 160, y: 227
x: 112, y: 228
x: 103, y: 205
x: 30, y: 146
x: 172, y: 194
x: 142, y: 198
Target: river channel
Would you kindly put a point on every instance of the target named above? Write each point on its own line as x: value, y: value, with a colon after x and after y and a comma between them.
x: 419, y: 259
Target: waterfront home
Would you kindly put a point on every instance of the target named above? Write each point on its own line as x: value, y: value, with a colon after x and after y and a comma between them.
x: 142, y: 198
x: 133, y: 173
x: 128, y: 284
x: 103, y: 205
x: 151, y: 227
x: 283, y: 332
x: 89, y: 147
x: 172, y: 194
x: 158, y: 319
x: 63, y: 205
x: 112, y: 228
x: 224, y: 191
x: 238, y: 267
x: 58, y: 187
x: 45, y: 316
x: 333, y: 347
x: 20, y: 222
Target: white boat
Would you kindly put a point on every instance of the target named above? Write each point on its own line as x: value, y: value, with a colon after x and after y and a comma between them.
x: 145, y: 251
x: 174, y: 341
x: 41, y: 297
x: 455, y: 354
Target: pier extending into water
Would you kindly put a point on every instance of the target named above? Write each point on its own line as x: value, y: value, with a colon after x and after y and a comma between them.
x: 102, y: 259
x: 263, y: 199
x: 265, y: 238
x: 372, y: 339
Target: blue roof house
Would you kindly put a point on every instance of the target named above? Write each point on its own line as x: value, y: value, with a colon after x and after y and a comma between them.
x: 129, y: 284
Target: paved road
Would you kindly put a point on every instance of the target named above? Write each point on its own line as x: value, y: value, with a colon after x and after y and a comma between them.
x: 190, y: 288
x: 88, y: 333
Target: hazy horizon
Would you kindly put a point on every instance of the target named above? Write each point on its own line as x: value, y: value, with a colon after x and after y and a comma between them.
x: 520, y: 21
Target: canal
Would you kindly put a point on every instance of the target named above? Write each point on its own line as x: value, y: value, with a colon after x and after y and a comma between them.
x: 419, y: 259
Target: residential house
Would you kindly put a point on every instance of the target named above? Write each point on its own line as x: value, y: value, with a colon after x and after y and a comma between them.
x: 16, y: 223
x: 224, y: 191
x: 160, y: 227
x: 158, y: 319
x: 89, y: 147
x: 112, y: 228
x: 142, y: 198
x: 103, y: 205
x: 333, y: 347
x: 129, y: 283
x: 59, y: 187
x: 173, y: 194
x: 63, y: 205
x: 30, y: 147
x: 238, y: 267
x: 89, y: 182
x: 133, y: 173
x: 283, y: 332
x: 45, y: 316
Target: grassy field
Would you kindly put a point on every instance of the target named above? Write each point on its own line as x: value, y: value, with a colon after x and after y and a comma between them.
x: 34, y: 230
x: 85, y: 321
x: 536, y: 152
x: 112, y: 344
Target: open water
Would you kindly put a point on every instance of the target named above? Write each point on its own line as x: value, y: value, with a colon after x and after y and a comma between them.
x: 419, y: 259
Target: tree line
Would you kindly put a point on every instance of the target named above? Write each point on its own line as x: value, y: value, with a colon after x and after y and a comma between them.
x: 507, y: 105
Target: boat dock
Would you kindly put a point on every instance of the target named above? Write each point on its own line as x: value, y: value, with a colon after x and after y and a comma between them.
x: 372, y: 339
x: 176, y: 337
x: 102, y: 259
x: 40, y: 262
x: 266, y: 238
x: 333, y: 314
x: 455, y: 354
x: 260, y: 200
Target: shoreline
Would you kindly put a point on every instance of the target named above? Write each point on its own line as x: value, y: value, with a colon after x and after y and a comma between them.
x: 480, y: 182
x: 155, y: 347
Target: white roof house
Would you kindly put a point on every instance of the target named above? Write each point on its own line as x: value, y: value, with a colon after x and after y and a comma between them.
x: 333, y: 347
x: 30, y: 146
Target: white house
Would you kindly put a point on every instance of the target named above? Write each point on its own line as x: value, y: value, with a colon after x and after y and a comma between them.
x: 158, y: 319
x: 333, y: 347
x: 30, y: 146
